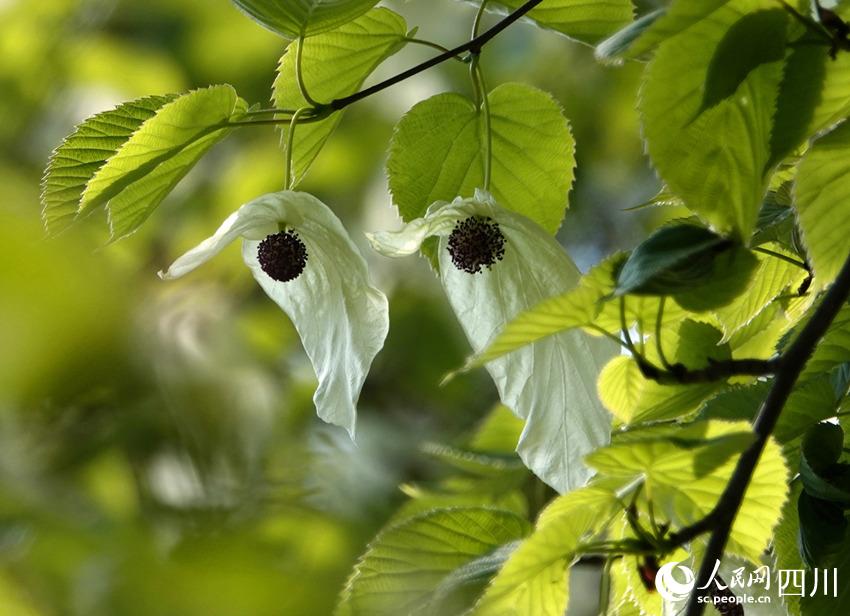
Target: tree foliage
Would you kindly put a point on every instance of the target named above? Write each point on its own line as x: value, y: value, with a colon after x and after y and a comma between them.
x: 664, y: 394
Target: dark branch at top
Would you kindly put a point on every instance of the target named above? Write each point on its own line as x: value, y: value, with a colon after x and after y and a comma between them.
x: 473, y: 47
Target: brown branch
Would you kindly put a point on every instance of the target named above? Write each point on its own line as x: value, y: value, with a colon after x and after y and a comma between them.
x: 791, y: 364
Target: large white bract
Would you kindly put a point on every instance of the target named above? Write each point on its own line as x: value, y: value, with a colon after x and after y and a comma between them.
x: 551, y: 383
x: 341, y: 318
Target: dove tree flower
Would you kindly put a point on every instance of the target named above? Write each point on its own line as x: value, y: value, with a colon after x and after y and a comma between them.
x: 302, y: 257
x: 494, y: 264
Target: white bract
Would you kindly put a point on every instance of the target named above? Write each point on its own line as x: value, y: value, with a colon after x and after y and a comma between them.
x: 341, y: 318
x: 551, y: 383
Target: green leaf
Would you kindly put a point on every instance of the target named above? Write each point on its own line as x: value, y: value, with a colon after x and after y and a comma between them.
x: 564, y: 418
x: 134, y: 181
x: 771, y: 278
x: 633, y: 398
x: 436, y: 154
x: 673, y: 258
x: 535, y: 580
x: 476, y: 463
x: 83, y: 152
x: 406, y: 563
x: 811, y: 401
x: 341, y: 318
x: 823, y: 203
x: 333, y: 65
x: 577, y: 307
x: 830, y: 600
x: 822, y: 446
x: 583, y: 20
x: 834, y: 348
x: 712, y: 147
x: 822, y: 529
x: 294, y: 18
x: 686, y: 469
x: 498, y: 433
x: 727, y: 278
x: 814, y: 95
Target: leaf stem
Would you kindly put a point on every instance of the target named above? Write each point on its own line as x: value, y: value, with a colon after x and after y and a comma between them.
x: 289, y: 180
x: 659, y: 347
x: 433, y: 45
x: 476, y: 25
x: 786, y: 258
x: 483, y: 100
x: 299, y: 76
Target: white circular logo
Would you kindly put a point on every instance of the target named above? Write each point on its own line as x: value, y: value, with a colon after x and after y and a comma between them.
x: 669, y: 587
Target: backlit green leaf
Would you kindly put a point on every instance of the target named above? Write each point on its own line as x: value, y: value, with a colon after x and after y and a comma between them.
x: 583, y: 20
x: 712, y: 146
x: 437, y: 154
x: 134, y: 181
x: 333, y: 64
x: 823, y: 203
x: 83, y: 152
x: 535, y: 579
x: 686, y: 469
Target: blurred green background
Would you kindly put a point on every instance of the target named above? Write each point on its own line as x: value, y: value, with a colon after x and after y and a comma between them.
x: 159, y: 451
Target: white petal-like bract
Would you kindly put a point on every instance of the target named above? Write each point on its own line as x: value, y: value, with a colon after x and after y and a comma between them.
x: 551, y: 383
x: 341, y: 318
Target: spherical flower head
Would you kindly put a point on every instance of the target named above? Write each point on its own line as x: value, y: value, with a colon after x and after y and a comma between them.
x: 283, y: 256
x: 475, y: 243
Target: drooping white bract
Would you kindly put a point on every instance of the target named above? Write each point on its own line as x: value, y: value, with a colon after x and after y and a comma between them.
x: 551, y: 383
x: 341, y: 318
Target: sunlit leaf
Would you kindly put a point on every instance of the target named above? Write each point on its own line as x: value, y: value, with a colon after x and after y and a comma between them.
x: 714, y: 152
x: 535, y: 579
x: 686, y: 469
x: 134, y: 181
x: 583, y: 20
x: 823, y: 203
x: 83, y: 152
x: 550, y: 384
x: 333, y: 65
x: 341, y: 318
x: 437, y: 153
x: 631, y: 397
x: 576, y: 308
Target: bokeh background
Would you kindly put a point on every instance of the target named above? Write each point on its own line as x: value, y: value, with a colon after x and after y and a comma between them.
x: 159, y: 451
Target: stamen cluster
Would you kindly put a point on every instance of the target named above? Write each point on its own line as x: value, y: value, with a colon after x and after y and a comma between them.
x: 283, y: 256
x: 475, y: 243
